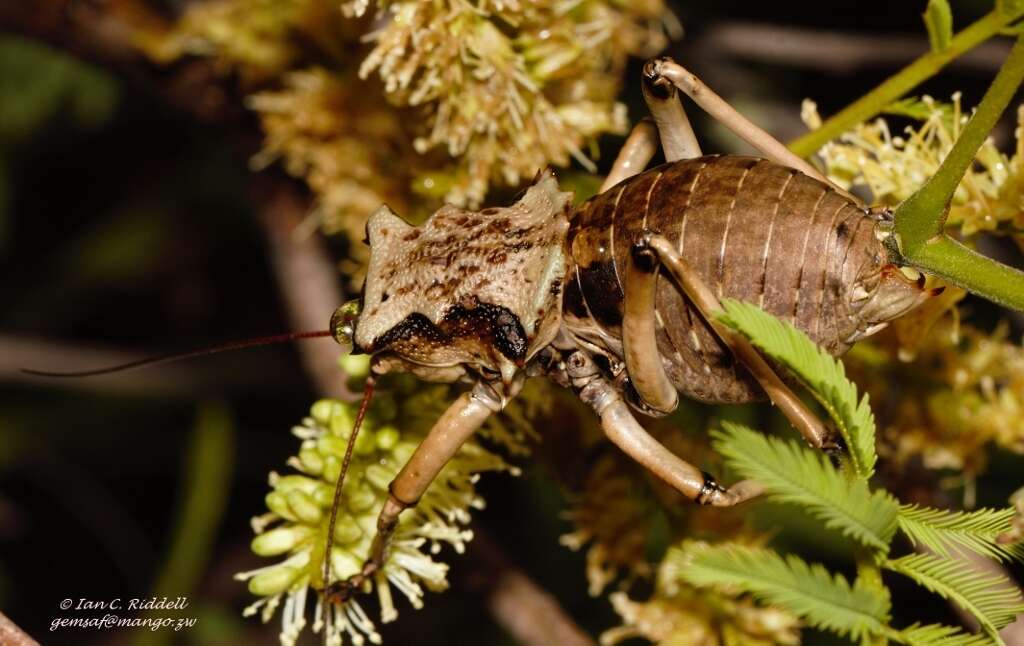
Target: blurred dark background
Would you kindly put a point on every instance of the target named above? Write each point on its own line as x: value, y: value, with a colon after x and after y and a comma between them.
x: 129, y: 225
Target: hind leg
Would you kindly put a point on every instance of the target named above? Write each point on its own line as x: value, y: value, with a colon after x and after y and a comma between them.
x: 801, y: 417
x: 663, y: 71
x: 670, y: 127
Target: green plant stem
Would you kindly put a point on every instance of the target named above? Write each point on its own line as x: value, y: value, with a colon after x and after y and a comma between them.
x: 918, y: 221
x: 956, y: 264
x: 903, y: 81
x: 870, y: 574
x: 920, y: 217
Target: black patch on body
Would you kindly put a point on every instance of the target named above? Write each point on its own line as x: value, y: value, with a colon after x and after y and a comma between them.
x: 572, y: 301
x: 602, y: 292
x: 486, y: 320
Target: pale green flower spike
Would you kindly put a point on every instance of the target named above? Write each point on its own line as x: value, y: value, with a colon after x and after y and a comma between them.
x: 299, y: 503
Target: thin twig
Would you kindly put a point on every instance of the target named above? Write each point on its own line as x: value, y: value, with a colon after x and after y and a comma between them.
x: 11, y: 635
x: 308, y: 282
x: 528, y: 612
x: 836, y: 52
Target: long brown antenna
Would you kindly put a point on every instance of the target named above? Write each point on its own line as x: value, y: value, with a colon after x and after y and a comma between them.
x: 188, y: 354
x: 371, y: 381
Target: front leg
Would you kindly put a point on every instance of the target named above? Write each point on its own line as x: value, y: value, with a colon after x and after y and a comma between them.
x: 446, y: 437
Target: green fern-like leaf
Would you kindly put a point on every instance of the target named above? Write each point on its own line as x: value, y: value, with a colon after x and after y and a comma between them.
x: 941, y: 531
x: 793, y: 474
x: 992, y: 599
x: 939, y: 635
x: 823, y: 600
x: 823, y: 375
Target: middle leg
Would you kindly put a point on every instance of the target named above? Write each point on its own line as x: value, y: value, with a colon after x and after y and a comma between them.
x: 624, y: 431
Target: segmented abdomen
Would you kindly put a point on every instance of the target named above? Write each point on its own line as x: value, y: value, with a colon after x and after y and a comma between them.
x: 754, y: 230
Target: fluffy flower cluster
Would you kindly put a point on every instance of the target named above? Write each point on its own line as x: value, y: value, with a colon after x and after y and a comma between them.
x: 891, y: 167
x: 469, y: 95
x: 509, y: 86
x: 299, y: 504
x: 967, y: 392
x: 678, y: 614
x: 620, y: 510
x: 325, y: 128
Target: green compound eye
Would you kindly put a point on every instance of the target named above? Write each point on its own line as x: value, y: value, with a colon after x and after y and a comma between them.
x: 343, y: 324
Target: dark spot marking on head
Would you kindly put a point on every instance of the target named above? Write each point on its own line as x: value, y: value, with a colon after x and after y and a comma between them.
x: 384, y: 297
x: 412, y: 235
x: 492, y: 323
x: 415, y: 326
x: 496, y: 226
x: 556, y: 288
x: 497, y: 257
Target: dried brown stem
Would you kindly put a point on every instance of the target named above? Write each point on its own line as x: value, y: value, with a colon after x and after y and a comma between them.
x: 528, y: 612
x: 307, y: 279
x: 11, y: 635
x: 835, y: 51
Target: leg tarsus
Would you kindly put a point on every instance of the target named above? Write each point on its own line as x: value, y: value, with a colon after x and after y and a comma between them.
x: 801, y: 417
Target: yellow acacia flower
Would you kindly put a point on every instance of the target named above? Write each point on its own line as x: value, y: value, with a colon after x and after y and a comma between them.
x: 325, y: 128
x: 967, y: 393
x: 891, y: 166
x: 680, y: 615
x: 509, y: 86
x: 299, y: 510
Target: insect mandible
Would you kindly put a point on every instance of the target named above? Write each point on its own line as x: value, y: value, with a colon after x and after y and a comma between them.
x: 614, y: 299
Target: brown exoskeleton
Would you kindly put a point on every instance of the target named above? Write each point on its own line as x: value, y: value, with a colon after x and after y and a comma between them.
x: 614, y: 299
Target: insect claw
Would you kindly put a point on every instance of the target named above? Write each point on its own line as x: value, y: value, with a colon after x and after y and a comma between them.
x: 709, y: 489
x: 342, y: 591
x: 834, y: 448
x: 658, y: 86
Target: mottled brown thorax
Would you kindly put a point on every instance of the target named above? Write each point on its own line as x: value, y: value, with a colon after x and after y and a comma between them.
x: 753, y: 229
